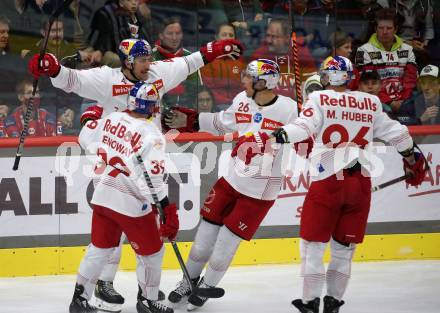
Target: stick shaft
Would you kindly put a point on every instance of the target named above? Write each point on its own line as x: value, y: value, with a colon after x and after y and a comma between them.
x: 29, y: 108
x: 162, y: 217
x: 390, y: 183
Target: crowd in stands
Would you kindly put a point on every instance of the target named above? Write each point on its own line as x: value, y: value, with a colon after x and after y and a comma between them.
x: 393, y: 44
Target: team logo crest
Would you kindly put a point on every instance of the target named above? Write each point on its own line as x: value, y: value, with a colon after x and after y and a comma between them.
x: 258, y: 117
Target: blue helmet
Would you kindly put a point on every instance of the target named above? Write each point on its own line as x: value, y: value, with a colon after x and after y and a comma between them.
x: 129, y: 49
x: 336, y: 71
x: 143, y: 98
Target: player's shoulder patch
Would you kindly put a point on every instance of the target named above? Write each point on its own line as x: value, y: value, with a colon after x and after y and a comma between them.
x: 158, y: 84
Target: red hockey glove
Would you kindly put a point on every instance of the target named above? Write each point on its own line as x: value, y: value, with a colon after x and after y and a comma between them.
x: 171, y: 226
x: 221, y: 48
x: 417, y: 170
x: 181, y: 118
x: 304, y: 148
x: 249, y: 146
x: 49, y: 65
x: 92, y: 113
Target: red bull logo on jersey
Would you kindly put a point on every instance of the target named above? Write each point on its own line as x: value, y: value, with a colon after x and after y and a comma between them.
x: 346, y: 101
x: 120, y: 131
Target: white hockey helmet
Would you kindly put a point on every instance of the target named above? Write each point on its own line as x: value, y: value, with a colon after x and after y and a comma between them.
x: 336, y: 71
x: 263, y: 69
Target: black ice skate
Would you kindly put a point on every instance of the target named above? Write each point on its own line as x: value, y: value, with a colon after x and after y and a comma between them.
x: 195, y: 301
x: 160, y: 295
x: 151, y: 306
x: 331, y: 305
x: 80, y: 304
x: 182, y: 290
x: 310, y: 307
x: 107, y: 299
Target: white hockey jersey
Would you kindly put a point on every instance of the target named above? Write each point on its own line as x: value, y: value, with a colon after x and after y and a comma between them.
x: 117, y: 139
x: 259, y: 179
x: 343, y: 123
x: 110, y: 87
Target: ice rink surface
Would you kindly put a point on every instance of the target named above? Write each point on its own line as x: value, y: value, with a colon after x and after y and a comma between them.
x: 375, y: 287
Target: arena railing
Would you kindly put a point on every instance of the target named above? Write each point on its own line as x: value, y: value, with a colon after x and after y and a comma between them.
x: 55, y: 141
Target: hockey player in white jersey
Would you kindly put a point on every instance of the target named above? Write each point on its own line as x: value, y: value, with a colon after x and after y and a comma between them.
x: 122, y: 200
x: 337, y: 204
x: 239, y: 201
x: 110, y: 86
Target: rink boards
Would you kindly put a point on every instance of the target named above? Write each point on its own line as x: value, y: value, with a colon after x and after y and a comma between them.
x: 45, y: 213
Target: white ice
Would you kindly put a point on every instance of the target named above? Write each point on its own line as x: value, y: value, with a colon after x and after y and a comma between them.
x: 375, y: 287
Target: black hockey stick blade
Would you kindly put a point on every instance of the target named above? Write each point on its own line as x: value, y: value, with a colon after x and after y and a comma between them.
x: 213, y: 292
x: 390, y: 182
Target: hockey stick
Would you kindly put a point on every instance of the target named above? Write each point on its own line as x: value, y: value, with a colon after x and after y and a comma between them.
x: 401, y: 178
x: 295, y: 58
x: 213, y: 292
x: 390, y: 182
x: 29, y: 109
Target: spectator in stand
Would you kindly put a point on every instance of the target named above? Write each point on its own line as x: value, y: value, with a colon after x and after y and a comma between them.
x: 115, y: 21
x: 434, y: 45
x: 4, y: 110
x: 393, y: 59
x: 206, y: 101
x: 41, y: 123
x: 276, y: 47
x: 340, y: 44
x: 416, y: 25
x: 66, y: 122
x: 4, y: 35
x: 252, y: 13
x: 56, y: 43
x: 223, y: 76
x: 369, y: 82
x: 12, y: 67
x: 168, y: 46
x: 427, y: 103
x: 61, y: 48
